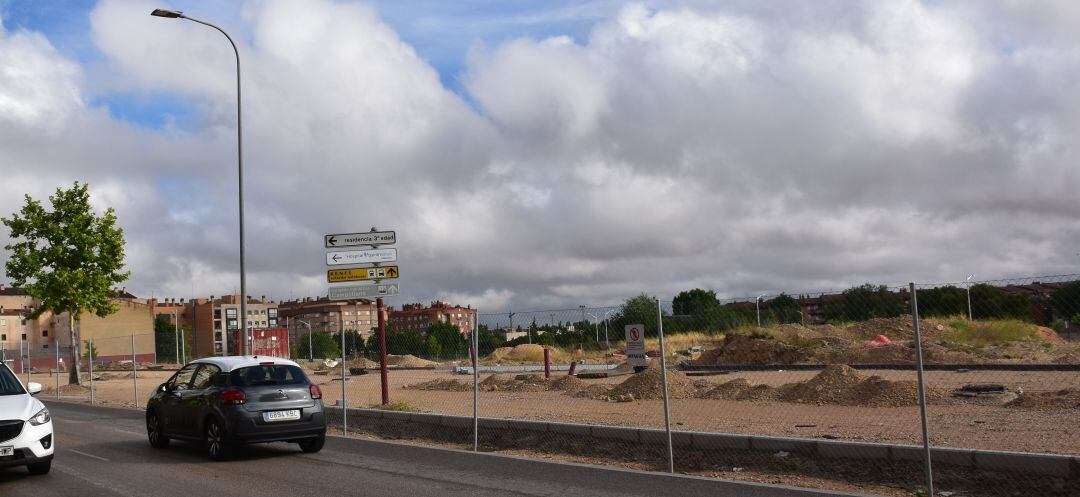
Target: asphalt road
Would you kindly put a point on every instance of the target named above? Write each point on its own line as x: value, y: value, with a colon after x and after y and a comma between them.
x: 104, y: 452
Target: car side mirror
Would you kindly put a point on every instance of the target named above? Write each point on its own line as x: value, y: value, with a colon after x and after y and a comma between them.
x: 164, y: 387
x: 33, y: 387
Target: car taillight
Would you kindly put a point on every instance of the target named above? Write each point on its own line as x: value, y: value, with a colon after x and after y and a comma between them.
x: 316, y: 393
x: 233, y: 396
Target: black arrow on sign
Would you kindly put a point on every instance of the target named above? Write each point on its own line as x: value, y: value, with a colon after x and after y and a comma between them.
x: 332, y: 241
x: 335, y: 257
x: 392, y: 273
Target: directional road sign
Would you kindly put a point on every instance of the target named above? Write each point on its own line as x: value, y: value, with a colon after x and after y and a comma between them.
x: 363, y: 291
x: 362, y: 274
x: 358, y: 239
x: 347, y: 257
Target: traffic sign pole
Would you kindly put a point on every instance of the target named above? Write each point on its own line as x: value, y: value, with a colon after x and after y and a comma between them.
x: 382, y: 352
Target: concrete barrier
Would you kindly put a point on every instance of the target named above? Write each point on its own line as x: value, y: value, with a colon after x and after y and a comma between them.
x: 1019, y: 462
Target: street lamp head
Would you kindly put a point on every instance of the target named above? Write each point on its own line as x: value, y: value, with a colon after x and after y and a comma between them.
x: 171, y: 14
x: 970, y: 276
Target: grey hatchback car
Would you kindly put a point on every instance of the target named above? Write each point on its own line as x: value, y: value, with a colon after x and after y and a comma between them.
x: 223, y: 402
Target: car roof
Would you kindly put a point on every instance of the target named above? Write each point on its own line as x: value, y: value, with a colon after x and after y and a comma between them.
x: 231, y: 363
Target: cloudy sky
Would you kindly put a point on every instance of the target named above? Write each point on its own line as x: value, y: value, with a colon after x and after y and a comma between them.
x: 548, y: 154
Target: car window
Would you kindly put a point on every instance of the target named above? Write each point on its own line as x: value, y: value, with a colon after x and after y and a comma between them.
x: 9, y: 384
x: 271, y: 374
x: 183, y: 377
x: 205, y: 374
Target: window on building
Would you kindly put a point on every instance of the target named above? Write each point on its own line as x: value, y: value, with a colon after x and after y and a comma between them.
x: 273, y: 313
x: 273, y: 323
x: 44, y: 333
x: 3, y: 338
x: 230, y: 313
x: 217, y: 348
x: 3, y: 322
x: 217, y: 324
x: 232, y: 324
x: 217, y: 336
x: 217, y: 313
x: 24, y: 336
x: 44, y: 345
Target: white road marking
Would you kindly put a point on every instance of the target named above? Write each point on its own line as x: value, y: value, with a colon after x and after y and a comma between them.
x: 88, y: 455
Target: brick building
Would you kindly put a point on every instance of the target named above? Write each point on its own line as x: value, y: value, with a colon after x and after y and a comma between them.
x: 329, y: 316
x: 212, y: 321
x: 416, y: 317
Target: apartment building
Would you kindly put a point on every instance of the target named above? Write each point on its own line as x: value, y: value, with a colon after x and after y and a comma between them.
x: 416, y: 317
x: 329, y: 316
x: 213, y: 320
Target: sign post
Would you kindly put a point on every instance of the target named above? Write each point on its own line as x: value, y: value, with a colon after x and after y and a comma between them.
x: 635, y: 347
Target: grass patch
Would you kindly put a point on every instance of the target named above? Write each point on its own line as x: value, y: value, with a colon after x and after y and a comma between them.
x: 397, y: 405
x: 984, y: 333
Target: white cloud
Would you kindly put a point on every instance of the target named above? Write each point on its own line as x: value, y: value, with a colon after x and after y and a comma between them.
x: 737, y: 147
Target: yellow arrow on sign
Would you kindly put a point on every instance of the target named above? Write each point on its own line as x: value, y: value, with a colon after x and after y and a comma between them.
x: 362, y: 274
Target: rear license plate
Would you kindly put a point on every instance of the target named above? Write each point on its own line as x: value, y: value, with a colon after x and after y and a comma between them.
x: 290, y: 415
x: 7, y: 451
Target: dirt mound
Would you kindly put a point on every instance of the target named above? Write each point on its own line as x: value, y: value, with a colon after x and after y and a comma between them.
x: 525, y: 353
x: 648, y: 385
x: 519, y: 383
x: 444, y: 385
x: 753, y: 349
x: 569, y: 384
x: 409, y: 361
x: 740, y: 389
x: 365, y: 363
x: 1049, y: 335
x: 1068, y: 398
x: 842, y: 385
x: 899, y: 327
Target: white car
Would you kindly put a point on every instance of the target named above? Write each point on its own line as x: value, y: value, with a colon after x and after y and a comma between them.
x: 26, y: 431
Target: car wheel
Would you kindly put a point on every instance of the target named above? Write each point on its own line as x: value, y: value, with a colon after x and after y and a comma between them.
x: 217, y: 445
x: 40, y: 468
x: 153, y: 431
x: 313, y: 445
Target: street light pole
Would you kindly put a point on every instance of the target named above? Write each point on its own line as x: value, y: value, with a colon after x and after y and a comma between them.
x: 757, y: 307
x: 970, y: 276
x: 175, y: 14
x: 311, y: 355
x: 176, y: 334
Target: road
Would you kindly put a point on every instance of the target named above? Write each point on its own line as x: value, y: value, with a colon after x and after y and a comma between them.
x: 103, y: 452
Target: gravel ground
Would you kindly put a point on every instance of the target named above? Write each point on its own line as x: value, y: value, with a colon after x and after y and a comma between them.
x: 953, y: 422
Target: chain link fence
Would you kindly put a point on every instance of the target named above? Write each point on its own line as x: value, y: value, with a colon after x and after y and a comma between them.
x: 818, y: 389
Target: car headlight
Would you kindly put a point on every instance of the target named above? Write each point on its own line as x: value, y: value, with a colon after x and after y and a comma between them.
x: 41, y: 417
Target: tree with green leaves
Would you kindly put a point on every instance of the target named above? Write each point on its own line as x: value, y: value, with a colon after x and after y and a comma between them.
x: 864, y: 302
x: 784, y: 309
x: 1066, y: 301
x: 451, y: 343
x: 636, y: 310
x: 69, y: 258
x: 991, y: 302
x: 322, y: 346
x: 943, y: 301
x: 165, y: 336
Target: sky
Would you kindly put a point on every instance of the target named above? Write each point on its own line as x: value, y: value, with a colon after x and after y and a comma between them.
x: 543, y: 155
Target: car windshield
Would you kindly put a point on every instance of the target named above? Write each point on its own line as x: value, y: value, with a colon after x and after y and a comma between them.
x: 9, y: 384
x: 271, y: 374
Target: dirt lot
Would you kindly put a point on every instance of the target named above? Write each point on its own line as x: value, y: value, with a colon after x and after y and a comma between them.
x: 957, y: 422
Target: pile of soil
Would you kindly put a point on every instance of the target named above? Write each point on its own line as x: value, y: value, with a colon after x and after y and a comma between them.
x: 740, y: 389
x: 750, y: 349
x: 648, y: 385
x: 530, y: 383
x: 441, y: 385
x: 409, y: 361
x: 899, y: 327
x: 1068, y: 398
x: 842, y: 385
x: 364, y: 362
x: 525, y: 353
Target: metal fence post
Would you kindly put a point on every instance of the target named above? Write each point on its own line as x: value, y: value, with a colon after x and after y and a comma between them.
x: 663, y: 380
x: 56, y: 345
x: 29, y: 364
x: 90, y: 368
x: 922, y: 392
x: 344, y: 401
x: 476, y: 385
x: 135, y: 370
x: 183, y: 348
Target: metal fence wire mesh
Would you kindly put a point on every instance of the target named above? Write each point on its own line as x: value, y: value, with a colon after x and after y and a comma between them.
x: 819, y: 389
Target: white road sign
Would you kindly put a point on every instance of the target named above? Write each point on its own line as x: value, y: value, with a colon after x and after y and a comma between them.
x: 635, y: 345
x: 358, y: 239
x: 347, y: 257
x: 363, y: 291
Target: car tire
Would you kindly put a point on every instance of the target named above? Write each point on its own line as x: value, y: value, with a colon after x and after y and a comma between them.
x: 40, y: 468
x: 312, y: 445
x: 217, y: 443
x: 153, y: 431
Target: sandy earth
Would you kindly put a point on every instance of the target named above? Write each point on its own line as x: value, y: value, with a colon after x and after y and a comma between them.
x: 953, y: 423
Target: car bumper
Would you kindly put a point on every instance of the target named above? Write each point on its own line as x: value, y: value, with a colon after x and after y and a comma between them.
x: 34, y: 444
x: 249, y: 427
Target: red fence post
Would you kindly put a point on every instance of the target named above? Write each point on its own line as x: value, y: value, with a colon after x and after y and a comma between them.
x: 382, y: 351
x: 547, y: 363
x: 573, y: 368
